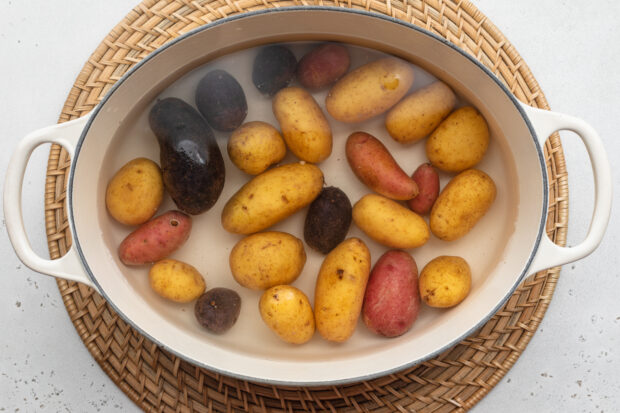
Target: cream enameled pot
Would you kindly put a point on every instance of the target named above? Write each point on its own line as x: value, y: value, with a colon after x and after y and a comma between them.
x: 507, y: 245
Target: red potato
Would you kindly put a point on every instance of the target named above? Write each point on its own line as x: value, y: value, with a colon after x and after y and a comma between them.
x: 156, y: 239
x: 323, y: 65
x: 373, y: 164
x: 392, y: 299
x: 428, y: 182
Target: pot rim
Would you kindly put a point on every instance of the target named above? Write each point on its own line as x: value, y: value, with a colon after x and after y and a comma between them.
x: 478, y: 64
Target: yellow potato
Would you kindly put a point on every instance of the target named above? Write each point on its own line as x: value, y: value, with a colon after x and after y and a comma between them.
x: 339, y: 291
x: 287, y: 312
x: 417, y: 115
x: 272, y: 196
x: 369, y: 90
x: 266, y: 259
x: 445, y: 281
x: 254, y: 146
x: 304, y: 127
x: 135, y: 192
x: 459, y: 142
x: 176, y: 281
x: 390, y: 223
x: 461, y: 204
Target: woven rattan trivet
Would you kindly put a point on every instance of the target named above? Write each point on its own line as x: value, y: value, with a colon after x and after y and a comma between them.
x: 159, y: 381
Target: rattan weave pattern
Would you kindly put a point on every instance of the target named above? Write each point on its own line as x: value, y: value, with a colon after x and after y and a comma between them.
x: 159, y: 381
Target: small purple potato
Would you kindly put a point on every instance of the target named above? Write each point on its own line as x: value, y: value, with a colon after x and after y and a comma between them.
x: 217, y: 310
x: 156, y: 239
x: 328, y: 220
x: 392, y: 300
x: 323, y: 65
x: 274, y: 68
x: 220, y: 99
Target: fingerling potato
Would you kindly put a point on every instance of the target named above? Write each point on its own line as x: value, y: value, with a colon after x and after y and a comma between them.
x: 271, y: 197
x: 369, y: 90
x: 135, y: 192
x: 156, y: 239
x: 176, y: 281
x: 418, y: 114
x: 462, y: 203
x: 390, y: 223
x: 428, y: 182
x: 255, y: 146
x: 288, y: 313
x: 445, y: 281
x: 339, y: 290
x: 304, y: 127
x: 267, y: 259
x: 373, y: 164
x: 323, y: 65
x: 459, y: 142
x: 392, y: 301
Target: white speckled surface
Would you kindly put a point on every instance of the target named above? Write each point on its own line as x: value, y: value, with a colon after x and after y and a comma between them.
x: 571, y: 364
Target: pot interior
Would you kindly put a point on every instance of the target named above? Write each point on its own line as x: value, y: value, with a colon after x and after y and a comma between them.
x: 498, y: 249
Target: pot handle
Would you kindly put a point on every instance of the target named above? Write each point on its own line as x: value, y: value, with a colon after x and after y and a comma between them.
x: 545, y: 123
x: 69, y: 265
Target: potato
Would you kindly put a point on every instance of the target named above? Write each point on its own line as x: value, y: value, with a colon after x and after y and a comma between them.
x: 392, y: 302
x: 323, y: 65
x: 339, y: 290
x: 176, y: 281
x: 328, y: 220
x: 459, y: 142
x: 287, y: 312
x: 220, y: 99
x: 218, y: 309
x: 461, y: 204
x: 428, y: 182
x: 191, y: 161
x: 267, y: 259
x: 418, y: 114
x: 373, y: 164
x: 369, y: 90
x: 390, y: 223
x: 445, y: 281
x: 273, y: 69
x: 304, y: 127
x: 255, y: 146
x: 156, y: 239
x: 135, y: 192
x: 271, y: 197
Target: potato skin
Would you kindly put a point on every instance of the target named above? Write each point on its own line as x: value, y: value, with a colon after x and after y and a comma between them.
x: 176, y: 281
x: 288, y: 313
x: 271, y: 197
x: 369, y: 90
x: 218, y: 309
x: 445, y: 281
x: 390, y: 223
x: 339, y: 290
x: 273, y: 69
x: 156, y: 239
x: 328, y: 220
x: 304, y: 127
x: 255, y: 146
x: 267, y: 259
x: 323, y: 65
x: 461, y: 204
x: 459, y: 142
x: 191, y: 161
x: 220, y: 99
x: 392, y: 300
x: 373, y: 164
x: 135, y: 192
x: 428, y: 182
x: 418, y: 114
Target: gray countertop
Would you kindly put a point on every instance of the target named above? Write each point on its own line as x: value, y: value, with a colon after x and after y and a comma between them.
x: 571, y: 364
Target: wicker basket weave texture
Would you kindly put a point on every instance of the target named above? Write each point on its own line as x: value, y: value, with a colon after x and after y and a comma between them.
x: 159, y: 381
